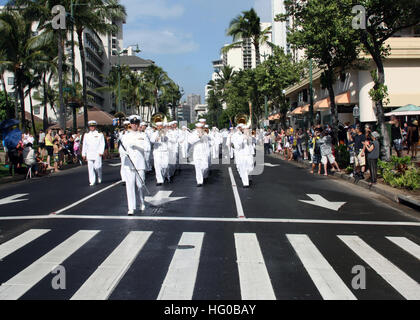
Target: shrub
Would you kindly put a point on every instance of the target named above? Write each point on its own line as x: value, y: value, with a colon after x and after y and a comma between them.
x: 399, y: 174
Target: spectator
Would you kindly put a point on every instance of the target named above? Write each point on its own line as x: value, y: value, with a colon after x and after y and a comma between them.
x: 373, y: 149
x: 316, y: 142
x: 359, y: 151
x: 49, y: 144
x: 56, y: 155
x: 77, y: 149
x: 41, y: 142
x: 267, y: 142
x: 311, y: 146
x: 29, y: 158
x: 396, y: 136
x: 351, y: 133
x: 41, y: 165
x: 327, y: 154
x: 413, y: 139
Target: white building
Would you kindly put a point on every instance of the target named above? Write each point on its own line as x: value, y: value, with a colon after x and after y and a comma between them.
x: 98, y: 50
x: 280, y: 30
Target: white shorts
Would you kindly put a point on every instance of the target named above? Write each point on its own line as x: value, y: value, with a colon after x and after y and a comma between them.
x: 329, y: 157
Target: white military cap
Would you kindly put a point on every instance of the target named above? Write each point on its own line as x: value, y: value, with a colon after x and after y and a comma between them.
x: 126, y: 122
x: 143, y: 124
x: 199, y: 125
x: 159, y: 124
x: 172, y: 123
x: 206, y: 126
x: 202, y: 120
x: 92, y: 123
x: 165, y: 124
x: 134, y: 118
x: 184, y: 127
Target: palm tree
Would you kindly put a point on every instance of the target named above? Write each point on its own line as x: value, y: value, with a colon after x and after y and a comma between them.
x: 157, y: 79
x: 95, y: 16
x: 247, y: 26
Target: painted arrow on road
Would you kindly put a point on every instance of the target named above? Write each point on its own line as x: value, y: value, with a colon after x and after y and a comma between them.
x: 115, y: 164
x: 161, y: 198
x: 271, y: 165
x: 320, y: 201
x: 13, y: 199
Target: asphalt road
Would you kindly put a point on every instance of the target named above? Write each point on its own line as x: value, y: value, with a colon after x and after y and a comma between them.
x: 218, y: 242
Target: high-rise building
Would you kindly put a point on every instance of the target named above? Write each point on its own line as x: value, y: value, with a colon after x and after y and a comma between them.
x: 193, y: 100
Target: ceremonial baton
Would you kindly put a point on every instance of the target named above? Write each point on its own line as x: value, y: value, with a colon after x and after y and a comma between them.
x: 142, y: 181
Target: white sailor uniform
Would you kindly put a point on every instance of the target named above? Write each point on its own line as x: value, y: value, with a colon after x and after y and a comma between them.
x: 93, y: 149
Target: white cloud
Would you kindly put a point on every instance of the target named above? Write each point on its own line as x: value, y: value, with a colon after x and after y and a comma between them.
x: 161, y: 41
x: 137, y: 9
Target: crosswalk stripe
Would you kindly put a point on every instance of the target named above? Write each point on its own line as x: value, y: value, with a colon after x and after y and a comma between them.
x: 327, y: 281
x: 103, y: 281
x: 20, y: 241
x: 406, y: 286
x: 407, y: 245
x: 17, y: 286
x: 254, y: 280
x: 180, y: 280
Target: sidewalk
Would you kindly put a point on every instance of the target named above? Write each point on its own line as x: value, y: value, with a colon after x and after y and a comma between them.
x: 411, y: 199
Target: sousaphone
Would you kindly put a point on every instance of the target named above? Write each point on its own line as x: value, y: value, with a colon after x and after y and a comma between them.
x: 158, y: 117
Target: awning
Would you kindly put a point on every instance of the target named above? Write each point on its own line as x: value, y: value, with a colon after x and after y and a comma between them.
x: 101, y: 117
x: 408, y: 110
x: 297, y: 111
x: 325, y: 104
x: 274, y: 117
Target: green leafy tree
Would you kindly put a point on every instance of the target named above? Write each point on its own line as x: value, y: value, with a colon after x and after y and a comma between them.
x: 379, y: 21
x: 324, y: 29
x: 276, y: 74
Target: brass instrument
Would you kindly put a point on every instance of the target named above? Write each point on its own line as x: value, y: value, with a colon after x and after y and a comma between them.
x: 158, y: 117
x: 243, y: 118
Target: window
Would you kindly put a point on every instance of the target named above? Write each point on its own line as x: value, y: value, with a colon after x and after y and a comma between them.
x: 37, y: 110
x: 10, y: 81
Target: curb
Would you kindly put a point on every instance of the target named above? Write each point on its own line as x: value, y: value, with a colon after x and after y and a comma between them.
x: 388, y: 192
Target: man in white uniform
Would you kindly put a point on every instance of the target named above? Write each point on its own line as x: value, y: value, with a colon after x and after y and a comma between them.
x: 134, y: 145
x: 92, y: 152
x: 173, y: 147
x: 199, y: 144
x: 159, y: 138
x: 126, y: 125
x: 183, y: 140
x: 216, y: 140
x: 244, y: 153
x: 148, y: 146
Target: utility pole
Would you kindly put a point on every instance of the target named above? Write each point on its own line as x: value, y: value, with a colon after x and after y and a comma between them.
x: 73, y: 66
x: 311, y: 96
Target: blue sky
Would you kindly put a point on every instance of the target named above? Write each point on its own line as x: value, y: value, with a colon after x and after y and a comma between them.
x: 185, y: 36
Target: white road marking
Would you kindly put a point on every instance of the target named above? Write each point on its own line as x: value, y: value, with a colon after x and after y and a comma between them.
x: 161, y: 198
x: 320, y: 201
x: 254, y: 280
x: 204, y: 219
x: 17, y: 286
x: 327, y: 281
x: 13, y: 199
x: 271, y: 165
x: 114, y: 164
x: 86, y: 198
x: 400, y: 281
x: 179, y: 282
x: 103, y: 281
x: 238, y: 202
x: 407, y: 245
x: 20, y: 241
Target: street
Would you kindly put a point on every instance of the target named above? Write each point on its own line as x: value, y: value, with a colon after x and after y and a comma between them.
x: 290, y: 236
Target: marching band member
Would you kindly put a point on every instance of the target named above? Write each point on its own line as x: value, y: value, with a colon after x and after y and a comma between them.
x: 126, y: 125
x: 229, y: 143
x: 159, y: 139
x: 199, y: 144
x: 183, y: 140
x: 92, y: 152
x: 216, y: 141
x: 134, y: 145
x: 148, y: 149
x: 244, y: 153
x: 173, y: 147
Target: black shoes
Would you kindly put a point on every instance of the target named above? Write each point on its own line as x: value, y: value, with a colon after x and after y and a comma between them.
x: 199, y: 185
x: 159, y: 184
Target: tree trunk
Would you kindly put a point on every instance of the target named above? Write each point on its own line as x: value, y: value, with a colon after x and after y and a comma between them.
x: 62, y: 112
x: 257, y: 53
x: 22, y: 104
x: 45, y: 102
x: 83, y: 58
x: 334, y: 112
x: 32, y: 113
x: 380, y: 114
x: 9, y: 113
